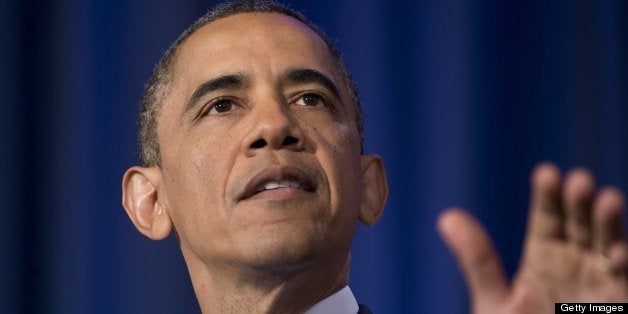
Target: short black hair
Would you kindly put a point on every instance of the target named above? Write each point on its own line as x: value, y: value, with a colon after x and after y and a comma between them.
x: 158, y: 86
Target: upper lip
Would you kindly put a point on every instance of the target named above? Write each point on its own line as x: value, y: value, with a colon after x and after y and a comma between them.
x: 276, y: 174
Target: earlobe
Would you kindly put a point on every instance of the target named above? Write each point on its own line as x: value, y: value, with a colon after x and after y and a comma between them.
x: 374, y: 189
x: 141, y: 201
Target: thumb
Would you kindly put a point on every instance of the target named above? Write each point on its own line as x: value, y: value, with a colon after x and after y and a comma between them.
x: 480, y: 265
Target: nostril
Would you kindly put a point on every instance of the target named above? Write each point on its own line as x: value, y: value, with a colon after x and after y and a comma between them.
x: 289, y: 140
x: 259, y: 143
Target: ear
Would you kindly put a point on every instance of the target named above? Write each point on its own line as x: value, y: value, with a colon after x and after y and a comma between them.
x: 374, y: 189
x: 141, y: 202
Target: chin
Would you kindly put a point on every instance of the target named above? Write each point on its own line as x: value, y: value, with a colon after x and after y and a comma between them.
x: 286, y: 249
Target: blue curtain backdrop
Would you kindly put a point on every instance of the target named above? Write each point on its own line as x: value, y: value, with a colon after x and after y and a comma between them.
x: 461, y: 98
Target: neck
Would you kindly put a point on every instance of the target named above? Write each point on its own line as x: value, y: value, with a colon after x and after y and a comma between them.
x: 290, y: 289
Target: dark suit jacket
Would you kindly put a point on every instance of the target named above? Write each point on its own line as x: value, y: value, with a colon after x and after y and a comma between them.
x: 363, y: 309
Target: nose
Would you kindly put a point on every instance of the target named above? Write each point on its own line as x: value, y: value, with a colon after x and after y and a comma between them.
x: 272, y: 127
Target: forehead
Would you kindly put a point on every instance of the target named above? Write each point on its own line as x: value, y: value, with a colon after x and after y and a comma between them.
x: 234, y: 28
x: 247, y: 42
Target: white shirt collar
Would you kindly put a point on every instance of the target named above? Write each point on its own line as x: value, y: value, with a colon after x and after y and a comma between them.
x: 341, y: 302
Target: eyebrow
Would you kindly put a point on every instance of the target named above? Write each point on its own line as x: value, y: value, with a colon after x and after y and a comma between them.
x: 306, y: 76
x: 227, y: 81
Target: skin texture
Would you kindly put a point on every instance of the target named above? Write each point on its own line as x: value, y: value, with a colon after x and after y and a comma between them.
x: 283, y: 250
x: 280, y: 250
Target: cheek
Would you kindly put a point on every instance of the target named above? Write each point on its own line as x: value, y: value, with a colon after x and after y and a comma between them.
x: 338, y: 152
x: 334, y: 132
x: 196, y: 177
x: 208, y: 168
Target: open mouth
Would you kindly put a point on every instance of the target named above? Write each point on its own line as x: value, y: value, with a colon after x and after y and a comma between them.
x: 278, y: 177
x: 273, y: 185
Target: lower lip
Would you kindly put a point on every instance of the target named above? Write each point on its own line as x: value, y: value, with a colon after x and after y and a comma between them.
x: 279, y: 194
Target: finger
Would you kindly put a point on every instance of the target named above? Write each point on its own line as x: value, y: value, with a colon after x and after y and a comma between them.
x: 618, y: 257
x: 577, y: 200
x: 546, y: 216
x: 607, y: 219
x: 474, y: 252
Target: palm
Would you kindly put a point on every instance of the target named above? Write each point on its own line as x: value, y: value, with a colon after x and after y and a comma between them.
x: 553, y: 272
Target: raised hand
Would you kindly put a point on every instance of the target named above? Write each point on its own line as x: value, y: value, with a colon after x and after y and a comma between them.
x: 574, y: 249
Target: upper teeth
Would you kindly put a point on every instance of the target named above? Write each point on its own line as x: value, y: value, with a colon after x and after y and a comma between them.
x: 280, y: 184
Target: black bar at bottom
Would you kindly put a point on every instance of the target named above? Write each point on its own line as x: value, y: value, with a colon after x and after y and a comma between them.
x: 590, y: 308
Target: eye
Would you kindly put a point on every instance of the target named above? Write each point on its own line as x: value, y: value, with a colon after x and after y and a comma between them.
x: 220, y: 106
x: 310, y: 100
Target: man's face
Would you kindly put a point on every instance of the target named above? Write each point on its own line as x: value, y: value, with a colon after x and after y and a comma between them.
x: 260, y: 151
